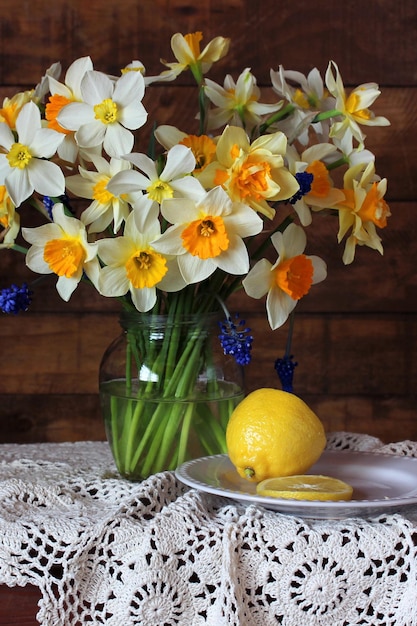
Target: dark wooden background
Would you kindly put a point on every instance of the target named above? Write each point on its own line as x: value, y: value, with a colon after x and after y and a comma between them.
x: 355, y: 336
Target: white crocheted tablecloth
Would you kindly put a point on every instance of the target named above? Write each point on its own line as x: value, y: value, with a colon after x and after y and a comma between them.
x: 106, y: 551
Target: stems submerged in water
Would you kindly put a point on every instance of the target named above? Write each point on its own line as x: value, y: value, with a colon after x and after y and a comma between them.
x: 173, y: 400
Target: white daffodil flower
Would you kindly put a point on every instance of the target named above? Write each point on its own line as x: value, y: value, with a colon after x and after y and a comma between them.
x: 137, y: 66
x: 61, y: 248
x: 43, y: 87
x: 24, y: 167
x: 106, y: 207
x: 173, y: 181
x: 132, y: 264
x: 63, y: 94
x: 237, y: 102
x: 354, y: 108
x: 207, y: 234
x: 110, y: 110
x: 288, y: 279
x: 307, y: 97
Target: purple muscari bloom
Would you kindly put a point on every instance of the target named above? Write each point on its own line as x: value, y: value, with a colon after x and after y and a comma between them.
x: 236, y: 340
x: 305, y: 180
x: 14, y: 299
x: 48, y: 203
x: 285, y: 370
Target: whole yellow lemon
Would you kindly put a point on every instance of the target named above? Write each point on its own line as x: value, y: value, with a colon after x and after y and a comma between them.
x: 273, y: 433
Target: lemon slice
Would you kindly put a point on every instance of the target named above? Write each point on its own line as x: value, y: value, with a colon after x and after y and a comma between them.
x: 305, y: 487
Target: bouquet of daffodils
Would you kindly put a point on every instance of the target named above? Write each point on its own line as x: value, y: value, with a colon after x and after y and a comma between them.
x: 177, y: 227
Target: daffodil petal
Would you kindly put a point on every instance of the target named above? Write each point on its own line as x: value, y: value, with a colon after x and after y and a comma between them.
x: 41, y: 234
x: 19, y: 186
x: 66, y: 286
x: 168, y: 136
x: 129, y: 88
x: 45, y: 143
x: 278, y: 305
x: 113, y: 281
x: 96, y: 86
x: 178, y: 210
x: 234, y: 260
x: 36, y: 262
x: 189, y: 187
x: 319, y: 269
x: 6, y: 136
x: 28, y: 122
x: 180, y: 160
x: 46, y: 177
x: 133, y: 116
x: 117, y: 140
x: 74, y: 115
x: 194, y: 269
x: 91, y: 134
x: 144, y: 299
x: 258, y: 280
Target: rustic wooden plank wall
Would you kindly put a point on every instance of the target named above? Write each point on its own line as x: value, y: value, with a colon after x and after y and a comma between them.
x: 355, y: 336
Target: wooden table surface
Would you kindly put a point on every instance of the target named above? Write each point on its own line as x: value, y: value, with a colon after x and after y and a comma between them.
x: 19, y: 605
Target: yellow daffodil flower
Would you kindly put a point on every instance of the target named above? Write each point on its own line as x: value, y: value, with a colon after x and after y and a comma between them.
x: 362, y: 210
x: 321, y: 193
x: 12, y: 107
x: 186, y: 49
x: 251, y: 173
x: 287, y: 280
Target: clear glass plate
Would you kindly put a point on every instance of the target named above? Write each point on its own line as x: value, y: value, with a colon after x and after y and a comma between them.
x: 382, y: 483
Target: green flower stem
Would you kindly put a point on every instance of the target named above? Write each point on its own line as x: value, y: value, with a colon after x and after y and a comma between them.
x: 183, y: 391
x: 160, y: 445
x: 155, y: 436
x: 276, y: 117
x: 266, y: 244
x: 114, y: 429
x: 129, y: 440
x: 185, y: 432
x: 210, y: 430
x: 141, y: 443
x: 183, y: 379
x: 338, y: 163
x: 129, y: 365
x: 184, y: 376
x: 18, y: 248
x: 325, y: 115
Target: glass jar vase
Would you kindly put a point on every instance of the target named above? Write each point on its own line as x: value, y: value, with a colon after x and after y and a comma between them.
x: 167, y: 391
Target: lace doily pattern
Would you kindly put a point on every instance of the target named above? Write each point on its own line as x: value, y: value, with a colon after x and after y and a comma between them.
x: 106, y: 551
